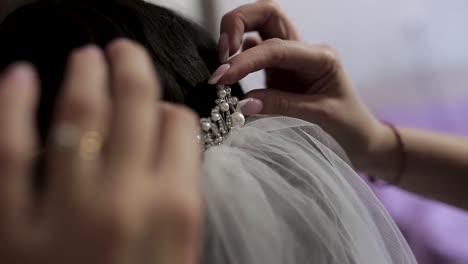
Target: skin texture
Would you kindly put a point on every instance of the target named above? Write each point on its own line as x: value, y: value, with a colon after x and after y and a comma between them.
x: 130, y: 202
x: 308, y: 82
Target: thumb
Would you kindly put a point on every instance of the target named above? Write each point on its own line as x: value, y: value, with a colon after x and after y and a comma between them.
x: 276, y: 102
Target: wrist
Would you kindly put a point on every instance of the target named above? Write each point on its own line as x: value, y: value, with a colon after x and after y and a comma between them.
x: 383, y: 158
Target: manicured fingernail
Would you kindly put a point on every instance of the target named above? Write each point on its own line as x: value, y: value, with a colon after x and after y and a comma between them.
x: 223, y: 48
x: 250, y: 106
x: 219, y: 73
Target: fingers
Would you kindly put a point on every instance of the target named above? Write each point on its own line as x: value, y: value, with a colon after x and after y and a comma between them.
x: 179, y: 199
x: 223, y: 48
x: 179, y: 152
x: 263, y: 16
x: 310, y: 62
x: 135, y: 89
x: 274, y: 102
x: 81, y: 120
x: 18, y: 98
x: 179, y: 165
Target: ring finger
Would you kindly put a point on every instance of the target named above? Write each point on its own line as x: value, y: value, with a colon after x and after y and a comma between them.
x: 81, y: 120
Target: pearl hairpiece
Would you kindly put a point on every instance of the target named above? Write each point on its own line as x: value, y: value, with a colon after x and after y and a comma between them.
x: 224, y: 118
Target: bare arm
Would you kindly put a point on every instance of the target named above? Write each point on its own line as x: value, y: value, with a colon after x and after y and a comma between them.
x: 436, y: 164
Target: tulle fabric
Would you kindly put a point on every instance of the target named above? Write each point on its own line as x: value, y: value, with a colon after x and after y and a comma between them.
x: 278, y: 192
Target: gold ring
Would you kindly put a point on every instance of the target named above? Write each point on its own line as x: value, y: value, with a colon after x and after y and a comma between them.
x: 90, y: 145
x: 68, y: 138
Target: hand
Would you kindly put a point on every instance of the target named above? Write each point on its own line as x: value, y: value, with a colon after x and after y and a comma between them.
x: 303, y: 81
x: 122, y: 170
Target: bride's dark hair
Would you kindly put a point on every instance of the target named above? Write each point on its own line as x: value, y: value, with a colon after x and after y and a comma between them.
x: 45, y: 32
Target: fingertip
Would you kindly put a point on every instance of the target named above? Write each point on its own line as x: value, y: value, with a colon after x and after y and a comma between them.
x: 219, y: 74
x: 21, y: 71
x: 19, y: 81
x: 115, y: 46
x: 233, y: 75
x: 250, y: 106
x: 131, y: 65
x: 87, y: 50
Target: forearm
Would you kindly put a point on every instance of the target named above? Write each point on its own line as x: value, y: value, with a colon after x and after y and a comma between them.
x: 436, y: 164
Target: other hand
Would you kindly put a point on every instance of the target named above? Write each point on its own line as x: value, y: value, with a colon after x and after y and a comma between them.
x: 122, y: 167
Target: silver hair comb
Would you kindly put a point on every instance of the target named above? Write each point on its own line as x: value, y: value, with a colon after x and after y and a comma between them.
x: 225, y: 117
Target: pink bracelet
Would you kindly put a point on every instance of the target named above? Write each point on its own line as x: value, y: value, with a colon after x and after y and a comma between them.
x: 402, y: 164
x: 402, y: 154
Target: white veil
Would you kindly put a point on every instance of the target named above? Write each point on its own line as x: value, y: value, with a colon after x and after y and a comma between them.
x: 276, y: 193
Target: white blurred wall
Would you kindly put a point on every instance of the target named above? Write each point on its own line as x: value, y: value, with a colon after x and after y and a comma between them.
x: 190, y: 8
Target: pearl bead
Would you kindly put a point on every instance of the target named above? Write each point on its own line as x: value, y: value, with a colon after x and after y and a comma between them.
x: 222, y: 93
x: 234, y: 100
x: 238, y: 119
x: 216, y: 117
x: 224, y: 107
x: 206, y: 126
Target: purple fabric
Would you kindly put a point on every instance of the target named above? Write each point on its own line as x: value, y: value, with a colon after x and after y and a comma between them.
x: 436, y: 232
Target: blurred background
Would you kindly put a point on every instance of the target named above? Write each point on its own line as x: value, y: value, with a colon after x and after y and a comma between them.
x: 409, y: 62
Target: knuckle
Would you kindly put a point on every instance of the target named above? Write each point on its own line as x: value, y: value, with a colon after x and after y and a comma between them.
x: 135, y: 84
x: 278, y: 48
x: 182, y: 210
x: 233, y: 20
x: 281, y: 105
x: 228, y: 17
x: 325, y: 111
x: 329, y: 52
x: 275, y: 42
x: 330, y: 57
x: 82, y: 105
x: 116, y: 223
x: 271, y: 5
